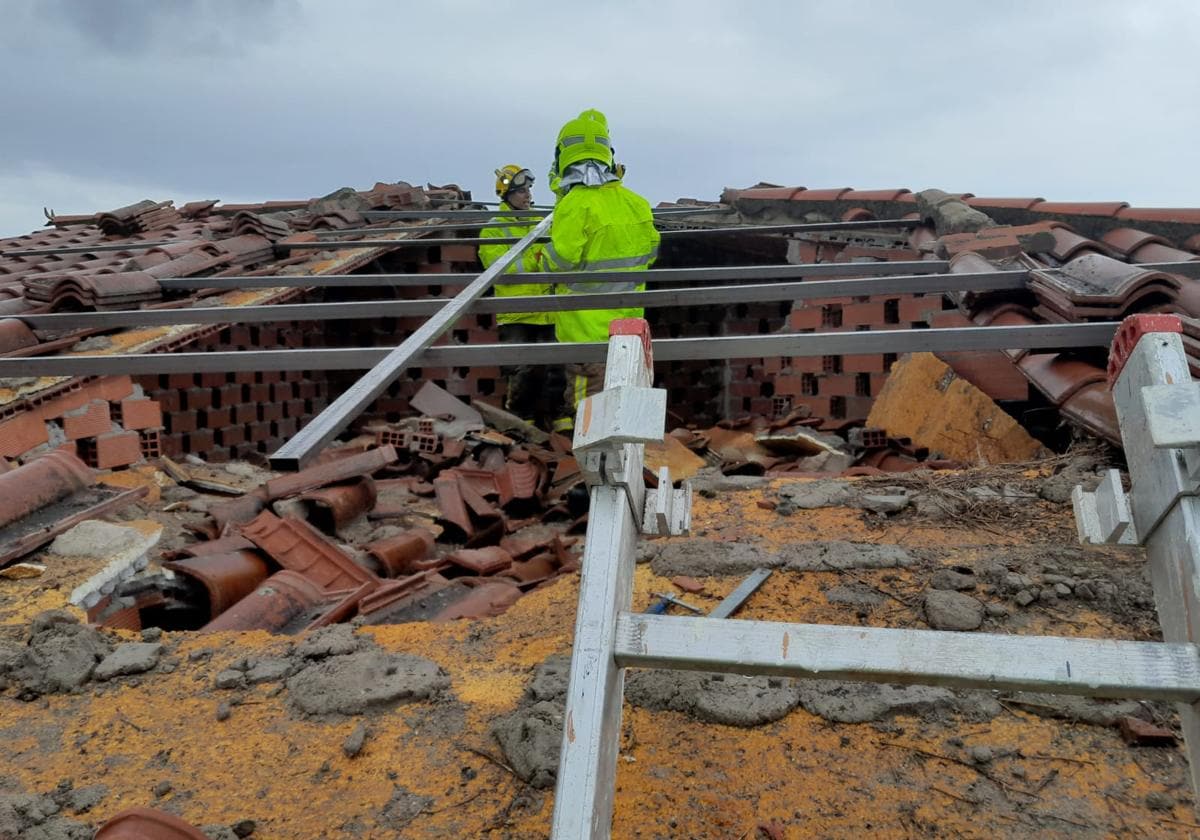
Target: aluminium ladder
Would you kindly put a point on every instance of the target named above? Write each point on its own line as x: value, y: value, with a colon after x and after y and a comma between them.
x: 1158, y: 407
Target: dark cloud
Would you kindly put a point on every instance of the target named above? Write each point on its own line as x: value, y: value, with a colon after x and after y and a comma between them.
x: 1079, y: 99
x: 165, y: 26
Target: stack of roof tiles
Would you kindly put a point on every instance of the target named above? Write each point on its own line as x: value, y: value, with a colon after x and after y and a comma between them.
x: 272, y: 226
x: 138, y: 218
x: 122, y: 290
x: 217, y: 416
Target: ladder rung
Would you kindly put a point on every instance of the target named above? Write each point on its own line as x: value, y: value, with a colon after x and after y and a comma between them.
x: 1090, y: 667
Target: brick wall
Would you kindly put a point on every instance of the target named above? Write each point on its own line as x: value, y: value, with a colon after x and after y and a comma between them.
x: 232, y: 415
x: 221, y: 416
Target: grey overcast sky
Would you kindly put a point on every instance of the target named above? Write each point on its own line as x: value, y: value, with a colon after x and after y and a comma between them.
x: 106, y: 102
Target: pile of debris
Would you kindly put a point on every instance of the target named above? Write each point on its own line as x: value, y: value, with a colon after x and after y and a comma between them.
x: 437, y: 530
x: 453, y: 514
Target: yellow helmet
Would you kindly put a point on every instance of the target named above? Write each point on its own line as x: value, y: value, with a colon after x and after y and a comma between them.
x: 593, y: 114
x: 582, y: 139
x: 512, y: 177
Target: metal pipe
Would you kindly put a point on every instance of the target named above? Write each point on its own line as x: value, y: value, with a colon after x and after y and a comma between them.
x: 651, y: 276
x: 1033, y: 337
x: 508, y: 240
x: 502, y: 240
x: 483, y: 213
x: 420, y: 228
x: 485, y: 203
x: 131, y: 245
x: 701, y: 296
x: 321, y: 429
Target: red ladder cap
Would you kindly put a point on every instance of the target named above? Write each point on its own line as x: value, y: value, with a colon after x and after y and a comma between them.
x: 1130, y: 333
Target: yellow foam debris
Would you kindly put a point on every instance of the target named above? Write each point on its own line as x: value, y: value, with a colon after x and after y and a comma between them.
x: 681, y: 461
x: 925, y: 400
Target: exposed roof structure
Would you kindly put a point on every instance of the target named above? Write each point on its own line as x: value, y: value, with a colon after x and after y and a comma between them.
x: 1099, y: 247
x: 442, y: 508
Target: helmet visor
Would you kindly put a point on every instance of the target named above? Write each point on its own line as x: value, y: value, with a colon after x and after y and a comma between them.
x: 522, y: 180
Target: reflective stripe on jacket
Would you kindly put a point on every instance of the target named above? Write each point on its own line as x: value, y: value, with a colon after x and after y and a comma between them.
x: 511, y: 226
x: 604, y: 228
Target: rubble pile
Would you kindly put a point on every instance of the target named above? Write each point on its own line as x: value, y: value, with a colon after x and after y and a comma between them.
x: 453, y: 514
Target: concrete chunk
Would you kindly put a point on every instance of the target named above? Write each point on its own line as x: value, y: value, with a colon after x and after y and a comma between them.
x: 129, y: 658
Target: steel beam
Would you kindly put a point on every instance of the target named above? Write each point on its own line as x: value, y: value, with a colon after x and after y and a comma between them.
x: 130, y: 245
x: 1034, y: 337
x: 473, y: 225
x: 484, y: 203
x: 307, y: 443
x: 484, y: 213
x: 651, y: 276
x: 448, y: 213
x: 329, y: 235
x: 740, y: 230
x: 702, y: 296
x: 1088, y: 667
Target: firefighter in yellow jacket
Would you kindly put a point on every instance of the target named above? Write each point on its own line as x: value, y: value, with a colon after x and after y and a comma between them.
x: 617, y: 168
x: 599, y: 225
x: 527, y: 384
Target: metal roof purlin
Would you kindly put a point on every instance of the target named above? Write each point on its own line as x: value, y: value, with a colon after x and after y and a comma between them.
x: 983, y: 281
x: 653, y: 275
x: 740, y: 230
x: 1046, y: 337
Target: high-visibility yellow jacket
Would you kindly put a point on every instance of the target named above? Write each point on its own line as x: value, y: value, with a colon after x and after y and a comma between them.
x: 603, y: 228
x: 530, y: 261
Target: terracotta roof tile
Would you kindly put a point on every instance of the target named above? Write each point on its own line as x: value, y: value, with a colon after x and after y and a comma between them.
x: 771, y: 193
x: 877, y: 195
x: 1060, y: 377
x: 1080, y: 208
x: 1187, y: 216
x: 1127, y: 240
x: 823, y: 195
x: 1017, y: 203
x: 1154, y: 252
x: 1068, y: 244
x: 858, y: 214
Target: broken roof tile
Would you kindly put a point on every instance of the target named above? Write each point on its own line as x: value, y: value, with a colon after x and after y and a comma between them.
x: 320, y: 475
x: 403, y: 554
x: 40, y: 482
x: 487, y: 598
x: 226, y: 577
x: 296, y: 545
x: 481, y: 561
x: 339, y: 505
x: 286, y: 602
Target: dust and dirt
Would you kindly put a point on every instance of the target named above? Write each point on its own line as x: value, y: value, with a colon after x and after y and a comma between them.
x: 434, y: 760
